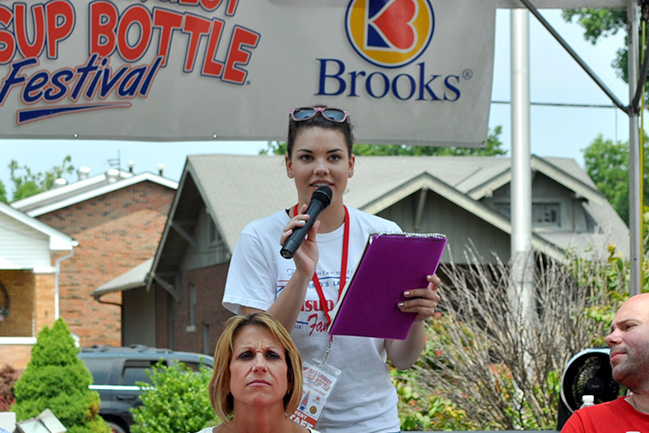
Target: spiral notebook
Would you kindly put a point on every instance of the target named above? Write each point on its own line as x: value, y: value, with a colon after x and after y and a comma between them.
x: 391, y: 264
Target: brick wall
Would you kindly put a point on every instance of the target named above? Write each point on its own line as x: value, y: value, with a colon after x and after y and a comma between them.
x: 209, y: 283
x: 116, y: 232
x: 15, y: 355
x: 31, y: 308
x: 44, y: 301
x: 20, y: 286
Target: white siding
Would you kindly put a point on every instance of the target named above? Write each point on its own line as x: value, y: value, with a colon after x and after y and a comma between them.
x: 22, y: 247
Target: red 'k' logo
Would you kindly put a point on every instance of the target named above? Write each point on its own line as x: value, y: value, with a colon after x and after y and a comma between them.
x: 392, y: 19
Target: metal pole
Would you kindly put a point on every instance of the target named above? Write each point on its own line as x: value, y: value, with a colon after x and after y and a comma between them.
x: 521, y: 185
x: 528, y: 4
x: 635, y: 213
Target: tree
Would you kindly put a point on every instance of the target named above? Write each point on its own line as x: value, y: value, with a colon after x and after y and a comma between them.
x: 601, y: 23
x: 607, y: 164
x: 491, y: 148
x: 57, y: 379
x: 26, y: 183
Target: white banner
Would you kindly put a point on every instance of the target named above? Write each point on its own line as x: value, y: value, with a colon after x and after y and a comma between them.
x: 409, y: 71
x: 565, y: 4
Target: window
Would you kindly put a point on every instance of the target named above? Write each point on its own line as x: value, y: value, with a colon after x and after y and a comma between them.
x: 100, y: 369
x: 214, y: 233
x: 216, y: 248
x: 206, y: 338
x: 135, y: 371
x: 191, y: 327
x: 543, y: 214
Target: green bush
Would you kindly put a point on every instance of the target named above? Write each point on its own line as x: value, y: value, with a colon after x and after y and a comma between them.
x: 420, y: 410
x: 176, y: 400
x: 57, y: 379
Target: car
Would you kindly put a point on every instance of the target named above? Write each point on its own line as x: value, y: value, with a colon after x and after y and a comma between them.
x: 116, y: 370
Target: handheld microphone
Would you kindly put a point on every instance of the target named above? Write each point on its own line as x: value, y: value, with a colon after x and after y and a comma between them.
x: 319, y: 201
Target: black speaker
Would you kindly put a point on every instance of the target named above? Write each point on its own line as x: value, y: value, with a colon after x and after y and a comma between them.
x: 587, y: 373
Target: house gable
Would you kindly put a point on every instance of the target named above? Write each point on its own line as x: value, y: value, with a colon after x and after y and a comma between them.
x: 220, y: 194
x: 554, y: 207
x: 117, y: 222
x: 26, y: 243
x: 86, y: 189
x: 235, y: 190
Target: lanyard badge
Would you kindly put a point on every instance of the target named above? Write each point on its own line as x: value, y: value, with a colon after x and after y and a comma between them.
x: 320, y: 377
x: 319, y: 380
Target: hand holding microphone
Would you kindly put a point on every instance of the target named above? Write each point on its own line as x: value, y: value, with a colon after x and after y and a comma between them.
x: 319, y: 201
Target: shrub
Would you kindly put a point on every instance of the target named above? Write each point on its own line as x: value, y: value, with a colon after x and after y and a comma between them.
x: 175, y: 400
x: 57, y: 379
x: 8, y: 377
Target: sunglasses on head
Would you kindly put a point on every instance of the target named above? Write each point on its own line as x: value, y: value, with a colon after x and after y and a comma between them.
x: 333, y: 114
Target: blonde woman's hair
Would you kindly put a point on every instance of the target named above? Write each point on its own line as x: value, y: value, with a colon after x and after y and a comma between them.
x: 219, y: 387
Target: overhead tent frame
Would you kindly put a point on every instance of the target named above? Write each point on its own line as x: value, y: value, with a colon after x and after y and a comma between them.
x: 521, y: 199
x: 521, y: 166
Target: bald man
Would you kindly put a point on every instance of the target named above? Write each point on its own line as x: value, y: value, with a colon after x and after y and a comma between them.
x: 629, y: 356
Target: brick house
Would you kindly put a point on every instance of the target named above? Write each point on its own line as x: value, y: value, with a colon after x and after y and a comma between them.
x: 31, y: 253
x: 117, y: 218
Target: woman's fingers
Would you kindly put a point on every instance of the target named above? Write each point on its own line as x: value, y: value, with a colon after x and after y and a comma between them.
x: 422, y: 301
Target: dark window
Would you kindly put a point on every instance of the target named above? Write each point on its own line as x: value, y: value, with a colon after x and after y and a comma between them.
x: 135, y: 371
x: 192, y: 304
x: 214, y: 233
x: 100, y: 370
x: 543, y: 214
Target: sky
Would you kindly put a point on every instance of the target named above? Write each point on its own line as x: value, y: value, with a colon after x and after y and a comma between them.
x: 555, y: 78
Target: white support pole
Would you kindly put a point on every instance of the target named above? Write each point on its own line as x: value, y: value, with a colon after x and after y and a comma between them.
x: 635, y: 213
x: 521, y: 185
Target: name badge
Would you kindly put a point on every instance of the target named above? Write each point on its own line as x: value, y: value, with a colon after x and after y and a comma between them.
x: 319, y: 380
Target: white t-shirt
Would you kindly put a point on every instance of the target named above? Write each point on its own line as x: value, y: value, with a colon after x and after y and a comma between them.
x: 364, y: 398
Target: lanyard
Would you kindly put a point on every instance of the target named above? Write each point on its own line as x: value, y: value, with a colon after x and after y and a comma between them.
x: 343, y: 268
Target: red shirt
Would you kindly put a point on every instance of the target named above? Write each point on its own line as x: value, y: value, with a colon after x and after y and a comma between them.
x: 617, y: 416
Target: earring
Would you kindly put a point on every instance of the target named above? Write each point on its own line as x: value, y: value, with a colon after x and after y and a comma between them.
x: 290, y: 175
x: 351, y: 173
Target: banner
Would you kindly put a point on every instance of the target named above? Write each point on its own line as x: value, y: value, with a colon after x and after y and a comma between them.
x: 409, y: 71
x: 564, y: 4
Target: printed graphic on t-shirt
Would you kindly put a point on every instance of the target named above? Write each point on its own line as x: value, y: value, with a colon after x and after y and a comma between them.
x: 312, y: 318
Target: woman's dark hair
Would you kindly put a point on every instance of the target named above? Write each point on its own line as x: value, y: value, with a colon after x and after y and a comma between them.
x: 321, y: 122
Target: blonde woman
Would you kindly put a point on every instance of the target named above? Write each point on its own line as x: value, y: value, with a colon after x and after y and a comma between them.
x: 257, y: 379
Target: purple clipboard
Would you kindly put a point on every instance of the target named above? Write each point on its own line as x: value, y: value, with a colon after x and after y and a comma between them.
x: 391, y: 264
